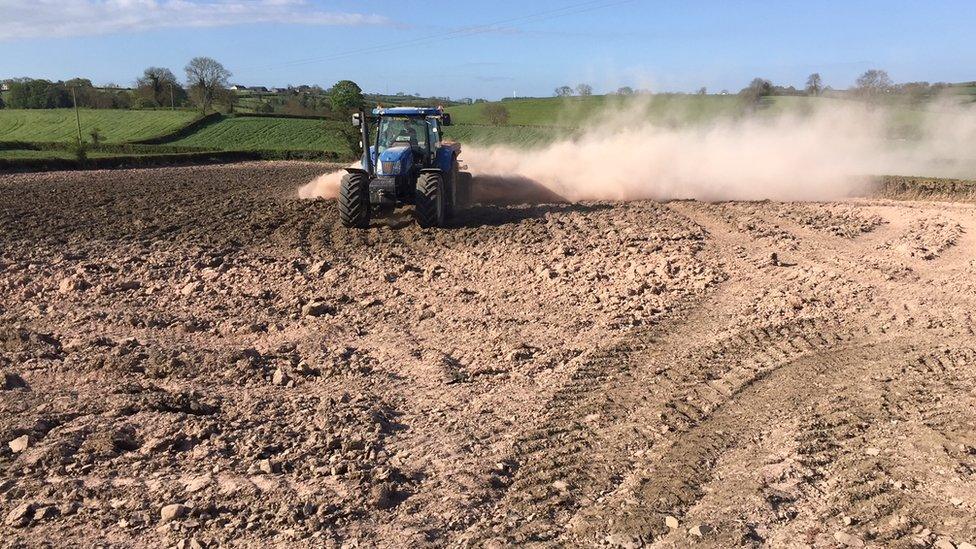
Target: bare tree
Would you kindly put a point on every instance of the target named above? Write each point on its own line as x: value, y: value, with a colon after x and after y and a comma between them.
x: 756, y: 90
x: 563, y: 91
x: 814, y: 84
x: 873, y: 82
x: 584, y: 90
x: 206, y: 79
x: 154, y: 85
x: 703, y: 91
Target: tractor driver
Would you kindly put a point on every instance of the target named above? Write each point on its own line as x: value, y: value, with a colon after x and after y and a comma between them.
x: 404, y: 133
x: 408, y: 136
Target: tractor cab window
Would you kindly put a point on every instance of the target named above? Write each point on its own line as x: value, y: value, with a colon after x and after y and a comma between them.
x: 403, y: 132
x: 435, y: 133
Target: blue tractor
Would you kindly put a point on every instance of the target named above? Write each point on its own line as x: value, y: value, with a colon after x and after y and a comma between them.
x: 409, y: 163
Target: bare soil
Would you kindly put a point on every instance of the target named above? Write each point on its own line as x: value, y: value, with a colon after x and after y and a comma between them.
x: 194, y: 357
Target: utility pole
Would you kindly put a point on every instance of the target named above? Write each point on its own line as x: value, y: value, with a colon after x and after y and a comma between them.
x: 172, y: 98
x: 74, y: 100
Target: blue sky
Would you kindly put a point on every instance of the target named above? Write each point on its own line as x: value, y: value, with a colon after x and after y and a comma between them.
x: 465, y: 49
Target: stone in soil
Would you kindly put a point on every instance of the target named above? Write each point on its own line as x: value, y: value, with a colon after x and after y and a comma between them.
x: 19, y: 444
x: 172, y: 512
x: 280, y: 377
x: 317, y: 308
x: 21, y: 514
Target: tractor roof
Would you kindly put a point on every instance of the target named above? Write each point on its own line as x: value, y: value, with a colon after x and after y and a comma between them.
x: 409, y: 111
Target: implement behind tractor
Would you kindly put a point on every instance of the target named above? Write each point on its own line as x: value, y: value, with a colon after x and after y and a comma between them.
x: 408, y: 163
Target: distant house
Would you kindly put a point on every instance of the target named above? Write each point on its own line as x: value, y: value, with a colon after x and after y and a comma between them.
x: 238, y: 87
x: 261, y: 89
x: 5, y: 87
x: 280, y: 90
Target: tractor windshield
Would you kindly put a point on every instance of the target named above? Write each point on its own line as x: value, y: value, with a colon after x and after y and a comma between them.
x: 402, y: 132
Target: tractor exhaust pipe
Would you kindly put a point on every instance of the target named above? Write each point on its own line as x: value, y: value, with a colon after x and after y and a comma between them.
x: 363, y: 123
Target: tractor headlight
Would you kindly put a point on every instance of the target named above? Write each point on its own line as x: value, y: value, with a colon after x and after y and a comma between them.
x: 390, y: 168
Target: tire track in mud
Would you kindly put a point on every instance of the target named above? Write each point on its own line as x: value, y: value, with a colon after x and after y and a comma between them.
x: 572, y: 459
x: 597, y: 427
x: 670, y: 478
x: 872, y: 484
x: 551, y: 470
x: 852, y: 462
x: 595, y: 431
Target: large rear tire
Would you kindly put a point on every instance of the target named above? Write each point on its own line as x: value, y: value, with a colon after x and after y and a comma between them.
x: 354, y: 200
x: 430, y: 207
x: 462, y: 191
x: 451, y: 205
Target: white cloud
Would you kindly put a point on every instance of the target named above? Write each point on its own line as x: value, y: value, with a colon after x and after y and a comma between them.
x: 60, y: 18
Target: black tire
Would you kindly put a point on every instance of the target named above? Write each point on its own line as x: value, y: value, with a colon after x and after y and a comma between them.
x: 430, y: 200
x: 451, y: 205
x: 354, y: 200
x: 462, y: 190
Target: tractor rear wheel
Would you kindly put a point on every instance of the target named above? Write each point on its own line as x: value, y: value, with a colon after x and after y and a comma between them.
x: 430, y: 200
x: 450, y: 191
x: 354, y: 200
x: 462, y: 191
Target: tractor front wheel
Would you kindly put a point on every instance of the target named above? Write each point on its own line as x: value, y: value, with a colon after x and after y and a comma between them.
x: 430, y: 200
x: 354, y: 200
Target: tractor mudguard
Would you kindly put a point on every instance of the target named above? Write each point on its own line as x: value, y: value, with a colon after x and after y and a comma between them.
x: 444, y: 158
x: 357, y: 170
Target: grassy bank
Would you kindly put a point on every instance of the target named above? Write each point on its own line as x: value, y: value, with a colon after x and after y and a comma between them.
x: 270, y: 133
x: 115, y: 126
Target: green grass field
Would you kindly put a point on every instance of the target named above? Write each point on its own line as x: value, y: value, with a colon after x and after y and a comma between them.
x: 59, y: 154
x: 574, y: 111
x: 538, y: 122
x: 661, y: 109
x: 16, y: 154
x: 532, y: 123
x: 520, y: 136
x: 115, y: 126
x: 266, y: 133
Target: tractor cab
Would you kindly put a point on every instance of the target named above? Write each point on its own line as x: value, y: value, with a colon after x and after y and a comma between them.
x: 409, y: 128
x: 402, y: 132
x: 407, y: 162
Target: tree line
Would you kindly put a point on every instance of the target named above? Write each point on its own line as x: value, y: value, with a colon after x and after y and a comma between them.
x: 205, y: 87
x: 871, y: 83
x: 27, y: 93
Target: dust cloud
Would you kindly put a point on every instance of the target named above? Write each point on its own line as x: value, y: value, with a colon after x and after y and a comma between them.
x: 323, y: 186
x: 822, y: 153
